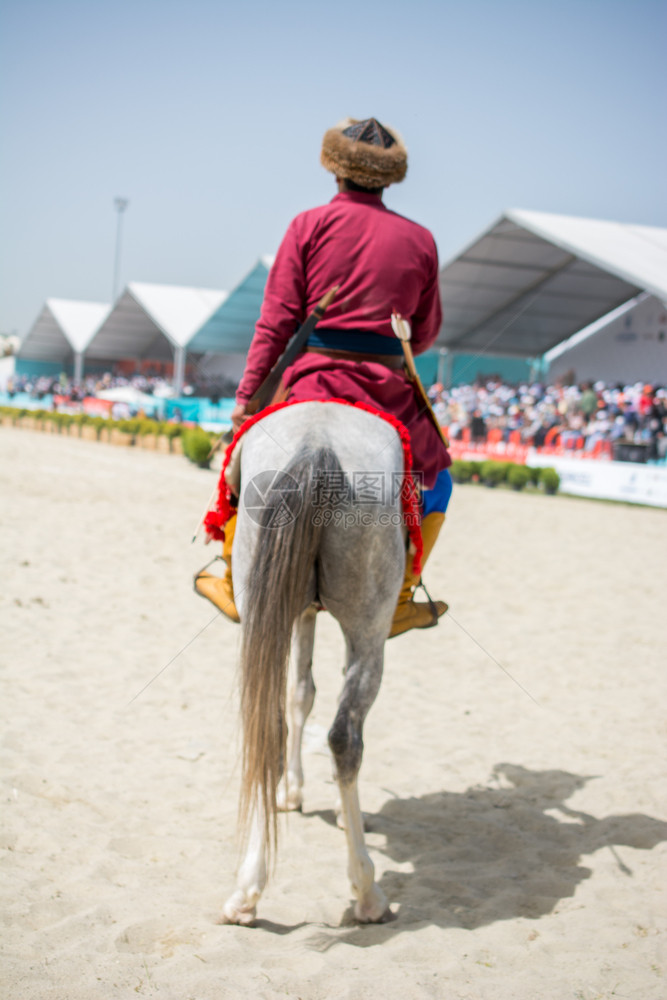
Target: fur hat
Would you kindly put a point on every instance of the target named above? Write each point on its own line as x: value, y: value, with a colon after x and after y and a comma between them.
x: 365, y: 152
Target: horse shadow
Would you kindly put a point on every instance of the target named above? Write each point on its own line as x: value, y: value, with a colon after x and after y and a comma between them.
x: 509, y: 850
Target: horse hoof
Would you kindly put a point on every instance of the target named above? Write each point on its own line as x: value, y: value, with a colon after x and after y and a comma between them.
x: 235, y: 911
x: 289, y: 799
x: 374, y: 909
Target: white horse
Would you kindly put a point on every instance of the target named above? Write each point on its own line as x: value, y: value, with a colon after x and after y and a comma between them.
x: 319, y: 524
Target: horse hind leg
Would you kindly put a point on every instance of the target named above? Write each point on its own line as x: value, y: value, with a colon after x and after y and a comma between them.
x: 345, y: 739
x: 302, y: 696
x: 241, y: 907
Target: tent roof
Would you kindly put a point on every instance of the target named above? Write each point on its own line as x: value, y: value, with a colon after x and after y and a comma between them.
x: 593, y: 328
x: 625, y: 346
x: 534, y: 279
x: 62, y: 328
x: 230, y: 328
x: 149, y: 321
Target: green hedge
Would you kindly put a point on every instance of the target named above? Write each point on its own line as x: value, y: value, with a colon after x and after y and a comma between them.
x: 136, y: 426
x: 494, y: 473
x: 550, y: 480
x: 461, y: 471
x: 197, y: 446
x: 518, y: 477
x: 171, y: 430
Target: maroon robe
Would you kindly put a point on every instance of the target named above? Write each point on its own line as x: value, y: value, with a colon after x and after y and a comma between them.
x: 383, y: 263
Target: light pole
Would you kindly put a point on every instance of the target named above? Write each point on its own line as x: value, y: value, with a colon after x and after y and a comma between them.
x: 120, y: 204
x: 445, y: 361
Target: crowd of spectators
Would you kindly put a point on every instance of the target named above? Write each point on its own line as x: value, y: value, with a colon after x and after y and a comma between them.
x: 214, y: 388
x: 577, y: 417
x: 62, y: 385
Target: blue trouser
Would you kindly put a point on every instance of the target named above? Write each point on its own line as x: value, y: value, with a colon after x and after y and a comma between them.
x: 437, y: 498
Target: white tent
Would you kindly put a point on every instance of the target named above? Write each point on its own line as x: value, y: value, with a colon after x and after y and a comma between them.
x: 62, y: 331
x: 534, y: 279
x: 629, y: 345
x: 223, y: 340
x: 156, y: 322
x: 230, y: 328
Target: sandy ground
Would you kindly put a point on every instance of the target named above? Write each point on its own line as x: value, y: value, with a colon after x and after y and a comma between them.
x: 513, y: 776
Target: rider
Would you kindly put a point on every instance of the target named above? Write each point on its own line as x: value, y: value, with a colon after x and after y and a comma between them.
x: 383, y: 263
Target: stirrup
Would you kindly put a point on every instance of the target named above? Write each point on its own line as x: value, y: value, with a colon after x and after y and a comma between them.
x: 431, y: 602
x: 203, y: 570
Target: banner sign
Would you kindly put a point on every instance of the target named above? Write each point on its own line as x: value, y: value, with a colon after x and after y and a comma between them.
x: 627, y: 481
x: 597, y: 477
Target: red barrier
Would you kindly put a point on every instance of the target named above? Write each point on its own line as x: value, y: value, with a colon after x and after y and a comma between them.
x: 512, y: 451
x: 59, y: 401
x: 97, y: 407
x: 482, y: 450
x: 91, y: 405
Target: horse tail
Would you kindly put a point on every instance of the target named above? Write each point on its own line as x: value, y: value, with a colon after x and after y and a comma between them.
x: 277, y: 592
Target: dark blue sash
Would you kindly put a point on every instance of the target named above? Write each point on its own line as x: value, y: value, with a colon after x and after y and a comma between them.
x: 360, y: 341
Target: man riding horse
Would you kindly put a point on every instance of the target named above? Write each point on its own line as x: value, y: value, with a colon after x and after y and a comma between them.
x: 383, y: 263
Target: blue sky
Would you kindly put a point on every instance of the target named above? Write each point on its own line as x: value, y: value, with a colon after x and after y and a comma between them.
x: 208, y: 117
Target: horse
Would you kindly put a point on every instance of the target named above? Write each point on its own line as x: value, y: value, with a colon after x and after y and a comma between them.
x: 320, y: 525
